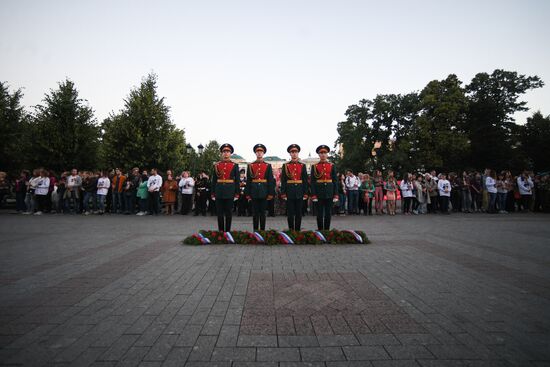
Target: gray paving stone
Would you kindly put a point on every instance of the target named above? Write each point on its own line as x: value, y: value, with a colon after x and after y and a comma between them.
x: 278, y: 354
x: 159, y: 351
x: 202, y: 350
x: 378, y: 339
x: 234, y: 354
x: 408, y: 352
x: 176, y: 357
x: 322, y: 354
x: 365, y: 353
x: 337, y: 340
x: 298, y: 341
x: 476, y: 292
x: 257, y: 341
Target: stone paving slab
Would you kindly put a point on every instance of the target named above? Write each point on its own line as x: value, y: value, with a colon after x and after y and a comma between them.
x: 459, y: 290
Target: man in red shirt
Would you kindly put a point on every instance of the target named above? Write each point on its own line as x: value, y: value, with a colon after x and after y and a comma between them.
x: 260, y: 186
x: 324, y: 188
x: 225, y: 187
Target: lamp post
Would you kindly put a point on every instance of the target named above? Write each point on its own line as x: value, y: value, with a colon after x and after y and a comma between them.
x: 200, y: 148
x: 189, y: 150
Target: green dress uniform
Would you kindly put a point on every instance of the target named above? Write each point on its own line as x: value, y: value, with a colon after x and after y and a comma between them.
x: 260, y: 187
x: 225, y: 189
x: 324, y: 189
x: 294, y: 189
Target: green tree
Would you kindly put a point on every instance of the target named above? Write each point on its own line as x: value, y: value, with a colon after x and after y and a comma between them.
x: 535, y: 137
x: 14, y: 126
x: 142, y: 133
x: 388, y: 119
x: 63, y: 131
x: 493, y: 100
x: 440, y: 140
x: 210, y: 155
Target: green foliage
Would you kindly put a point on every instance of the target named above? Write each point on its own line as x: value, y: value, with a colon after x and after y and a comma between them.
x: 535, y: 137
x: 63, y: 131
x: 14, y: 126
x: 444, y: 127
x: 142, y: 133
x: 493, y: 100
x: 389, y: 119
x: 440, y: 128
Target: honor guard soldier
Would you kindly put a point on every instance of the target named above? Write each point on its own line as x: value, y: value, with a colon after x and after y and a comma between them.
x: 324, y: 187
x: 225, y: 187
x: 294, y: 187
x: 260, y: 186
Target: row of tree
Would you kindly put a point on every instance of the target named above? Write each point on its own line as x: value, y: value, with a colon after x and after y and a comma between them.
x: 448, y: 126
x: 62, y: 133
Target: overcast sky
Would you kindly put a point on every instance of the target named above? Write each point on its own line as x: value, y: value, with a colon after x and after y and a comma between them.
x: 275, y: 72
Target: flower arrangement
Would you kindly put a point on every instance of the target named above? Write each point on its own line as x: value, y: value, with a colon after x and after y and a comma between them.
x: 274, y: 237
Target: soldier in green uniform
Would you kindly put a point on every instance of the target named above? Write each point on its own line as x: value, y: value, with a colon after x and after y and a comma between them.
x: 324, y: 187
x: 294, y: 187
x: 260, y: 186
x: 225, y: 187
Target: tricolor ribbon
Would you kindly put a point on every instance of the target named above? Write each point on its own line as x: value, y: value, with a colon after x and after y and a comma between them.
x: 229, y: 237
x: 286, y: 238
x: 204, y: 240
x: 320, y: 236
x: 358, y: 238
x: 258, y: 237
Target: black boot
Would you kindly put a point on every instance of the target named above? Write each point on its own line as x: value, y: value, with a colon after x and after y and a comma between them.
x: 262, y: 221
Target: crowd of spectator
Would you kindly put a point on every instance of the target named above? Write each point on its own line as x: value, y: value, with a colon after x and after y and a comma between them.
x: 147, y: 192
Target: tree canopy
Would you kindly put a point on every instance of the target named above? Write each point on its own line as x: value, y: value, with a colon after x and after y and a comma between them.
x: 445, y: 126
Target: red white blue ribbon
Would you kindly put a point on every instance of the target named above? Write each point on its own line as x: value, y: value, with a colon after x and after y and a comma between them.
x: 320, y: 236
x: 258, y: 237
x: 358, y: 238
x: 229, y: 237
x: 286, y: 238
x: 204, y: 240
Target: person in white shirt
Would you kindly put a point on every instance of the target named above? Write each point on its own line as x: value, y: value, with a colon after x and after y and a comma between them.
x: 103, y: 184
x: 352, y: 188
x: 41, y: 191
x: 153, y: 186
x: 525, y: 186
x: 74, y: 184
x: 186, y: 186
x: 491, y: 186
x: 444, y: 188
x: 407, y: 195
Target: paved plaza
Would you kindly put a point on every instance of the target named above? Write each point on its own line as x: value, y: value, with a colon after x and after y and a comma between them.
x: 458, y: 290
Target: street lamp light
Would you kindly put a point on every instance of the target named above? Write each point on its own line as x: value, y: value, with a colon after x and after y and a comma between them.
x: 201, y: 149
x: 189, y: 149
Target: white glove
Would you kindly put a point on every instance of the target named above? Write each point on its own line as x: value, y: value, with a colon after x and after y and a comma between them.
x: 334, y: 200
x: 285, y: 198
x: 213, y: 198
x: 235, y: 199
x: 315, y: 200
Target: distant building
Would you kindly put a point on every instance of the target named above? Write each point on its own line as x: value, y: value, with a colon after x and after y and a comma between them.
x: 275, y: 161
x: 310, y: 161
x: 239, y: 160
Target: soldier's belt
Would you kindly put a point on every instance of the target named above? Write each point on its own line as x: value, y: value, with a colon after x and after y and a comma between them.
x: 225, y: 181
x: 324, y: 181
x: 294, y: 181
x: 259, y: 180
